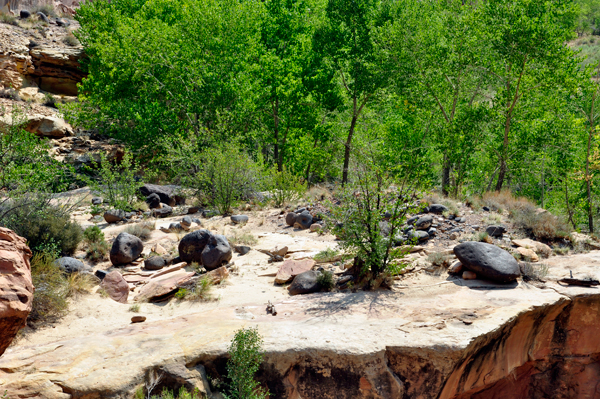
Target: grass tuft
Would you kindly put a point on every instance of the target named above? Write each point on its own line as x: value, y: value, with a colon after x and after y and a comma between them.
x: 141, y: 230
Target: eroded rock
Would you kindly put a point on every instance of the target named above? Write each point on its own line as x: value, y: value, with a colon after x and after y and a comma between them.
x: 488, y: 261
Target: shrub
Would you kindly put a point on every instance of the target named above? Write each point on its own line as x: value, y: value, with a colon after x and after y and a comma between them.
x: 79, y: 284
x: 325, y: 280
x: 134, y: 308
x: 284, y: 187
x: 168, y: 394
x: 10, y: 94
x: 482, y: 236
x: 245, y: 358
x: 200, y: 290
x: 500, y: 200
x: 438, y: 259
x: 8, y: 19
x: 242, y: 238
x: 97, y: 251
x: 70, y: 40
x: 141, y: 230
x: 93, y: 234
x: 51, y: 289
x: 541, y: 225
x: 49, y: 100
x: 326, y: 255
x: 534, y: 271
x: 116, y: 183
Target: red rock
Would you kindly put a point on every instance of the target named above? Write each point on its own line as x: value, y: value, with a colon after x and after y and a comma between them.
x: 218, y: 274
x: 16, y: 287
x: 291, y: 268
x: 469, y: 275
x: 138, y: 319
x: 160, y: 288
x: 116, y: 287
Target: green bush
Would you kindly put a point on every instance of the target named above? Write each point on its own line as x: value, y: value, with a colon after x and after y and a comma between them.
x: 245, y: 358
x: 116, y: 183
x: 97, y: 251
x: 141, y: 230
x: 325, y: 280
x: 93, y: 234
x: 51, y: 289
x: 284, y: 187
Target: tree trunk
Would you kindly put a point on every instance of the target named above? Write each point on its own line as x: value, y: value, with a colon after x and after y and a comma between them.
x: 504, y: 154
x: 348, y: 142
x: 588, y: 179
x: 276, y: 133
x: 445, y: 175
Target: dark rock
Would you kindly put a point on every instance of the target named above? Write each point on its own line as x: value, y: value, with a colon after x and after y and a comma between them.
x: 412, y: 220
x: 197, y: 221
x: 153, y: 201
x: 237, y: 219
x: 300, y: 210
x: 62, y: 22
x: 424, y: 222
x: 344, y: 280
x: 242, y: 249
x: 154, y: 263
x: 216, y: 252
x: 305, y: 283
x: 162, y: 212
x: 138, y: 319
x: 486, y: 209
x: 304, y: 220
x: 419, y: 235
x: 186, y: 222
x: 100, y: 274
x: 432, y: 231
x: 451, y: 217
x: 192, y: 245
x: 174, y: 228
x: 24, y: 14
x: 114, y: 215
x: 193, y: 209
x: 461, y: 220
x: 125, y: 249
x: 488, y: 261
x: 129, y: 215
x: 42, y: 16
x: 71, y: 265
x: 495, y: 231
x: 97, y: 201
x: 165, y: 194
x: 409, y: 228
x: 209, y: 213
x: 290, y: 218
x: 437, y: 208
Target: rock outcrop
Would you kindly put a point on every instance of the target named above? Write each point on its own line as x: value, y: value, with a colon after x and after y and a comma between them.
x: 16, y: 287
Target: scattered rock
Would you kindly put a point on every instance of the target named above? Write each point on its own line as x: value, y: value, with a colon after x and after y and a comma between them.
x: 419, y: 235
x: 437, y: 208
x: 193, y: 209
x: 155, y: 263
x: 97, y: 201
x: 153, y: 201
x: 115, y: 286
x: 16, y: 287
x: 495, y: 230
x: 290, y: 268
x: 537, y: 246
x: 162, y: 212
x: 469, y: 275
x: 138, y: 319
x: 186, y: 222
x: 304, y: 283
x: 237, y: 219
x: 528, y: 254
x: 315, y: 227
x: 125, y: 249
x: 303, y: 221
x: 71, y: 265
x: 100, y: 274
x: 164, y: 193
x: 216, y: 252
x: 424, y: 222
x: 114, y: 215
x: 488, y: 261
x: 456, y: 268
x: 192, y: 245
x: 242, y: 249
x: 290, y: 218
x: 24, y: 14
x: 42, y: 16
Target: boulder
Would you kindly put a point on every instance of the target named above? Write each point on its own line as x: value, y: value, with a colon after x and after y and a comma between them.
x: 71, y: 265
x: 162, y: 212
x: 48, y: 126
x: 488, y: 261
x: 528, y: 254
x: 424, y: 222
x: 303, y: 220
x: 165, y: 194
x: 242, y: 249
x: 16, y: 287
x: 186, y: 222
x: 495, y: 231
x: 24, y: 14
x: 114, y: 215
x: 155, y: 263
x: 305, y: 283
x: 153, y: 201
x: 125, y: 249
x: 290, y: 218
x: 192, y: 245
x: 290, y: 268
x: 97, y: 201
x: 216, y: 252
x: 437, y: 208
x: 237, y: 219
x: 115, y: 286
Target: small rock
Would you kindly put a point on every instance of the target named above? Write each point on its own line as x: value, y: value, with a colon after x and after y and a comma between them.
x: 186, y: 222
x: 280, y: 251
x: 237, y: 219
x: 138, y: 319
x: 207, y: 213
x: 419, y: 235
x: 162, y: 212
x: 424, y: 222
x: 304, y: 283
x: 158, y: 249
x: 304, y: 220
x: 125, y: 249
x: 453, y: 236
x: 153, y: 201
x: 486, y: 209
x: 528, y: 254
x: 42, y: 16
x: 315, y: 227
x: 100, y: 274
x: 432, y: 231
x: 115, y: 286
x: 290, y: 218
x: 97, y: 201
x: 242, y: 249
x: 291, y: 268
x: 193, y: 209
x: 412, y: 220
x: 154, y: 263
x: 71, y: 265
x: 24, y: 14
x: 62, y: 22
x: 437, y: 208
x: 456, y: 268
x: 495, y: 231
x: 114, y: 215
x: 469, y: 275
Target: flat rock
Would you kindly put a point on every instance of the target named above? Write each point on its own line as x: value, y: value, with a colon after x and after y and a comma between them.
x: 138, y: 319
x: 528, y: 255
x: 115, y: 286
x: 237, y: 219
x: 488, y: 261
x: 537, y: 246
x: 290, y: 268
x: 162, y: 288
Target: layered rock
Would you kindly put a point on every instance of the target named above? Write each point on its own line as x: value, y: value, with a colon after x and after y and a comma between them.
x: 16, y: 287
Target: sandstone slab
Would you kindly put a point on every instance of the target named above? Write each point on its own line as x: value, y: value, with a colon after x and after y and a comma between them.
x: 290, y: 268
x: 116, y: 286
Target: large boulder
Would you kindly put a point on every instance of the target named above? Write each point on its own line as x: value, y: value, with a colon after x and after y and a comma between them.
x: 165, y: 193
x: 125, y: 249
x: 305, y: 283
x: 216, y: 252
x: 114, y: 215
x: 192, y: 245
x: 488, y: 261
x: 153, y: 201
x: 437, y: 208
x: 71, y: 265
x: 16, y: 287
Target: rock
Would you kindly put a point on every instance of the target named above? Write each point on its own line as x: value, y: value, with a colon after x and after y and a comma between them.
x: 432, y: 231
x: 290, y: 268
x: 62, y: 22
x: 163, y: 287
x: 48, y: 126
x: 237, y: 219
x: 162, y: 212
x: 16, y: 287
x: 315, y: 227
x: 100, y: 274
x: 217, y: 275
x: 280, y: 251
x: 155, y: 263
x: 527, y: 254
x: 424, y: 222
x: 115, y: 286
x: 138, y: 319
x: 209, y: 213
x: 153, y: 201
x: 537, y: 246
x: 97, y: 201
x: 193, y: 209
x: 242, y: 249
x: 419, y: 235
x: 453, y: 236
x: 165, y: 194
x: 469, y: 275
x: 290, y: 218
x: 114, y: 215
x: 71, y: 265
x: 216, y: 252
x: 456, y: 268
x: 495, y: 231
x: 186, y: 222
x: 42, y: 16
x: 488, y: 261
x: 305, y: 283
x: 437, y: 208
x: 412, y: 220
x: 125, y: 249
x: 158, y: 249
x: 303, y: 220
x: 24, y: 14
x: 486, y: 209
x: 192, y: 245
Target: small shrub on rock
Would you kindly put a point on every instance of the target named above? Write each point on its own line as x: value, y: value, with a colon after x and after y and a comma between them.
x: 325, y: 280
x: 200, y: 290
